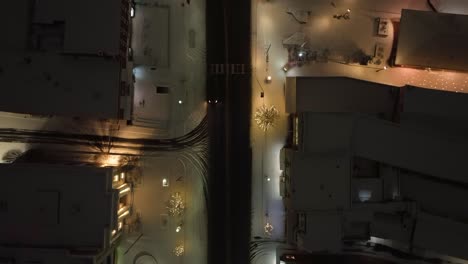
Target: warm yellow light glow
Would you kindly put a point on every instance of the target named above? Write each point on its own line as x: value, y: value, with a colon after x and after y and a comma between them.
x: 120, y: 225
x: 123, y: 208
x: 116, y: 178
x: 268, y: 78
x: 125, y: 190
x: 121, y: 186
x: 178, y: 229
x: 109, y: 160
x: 165, y: 182
x: 113, y: 232
x: 122, y: 176
x: 124, y: 214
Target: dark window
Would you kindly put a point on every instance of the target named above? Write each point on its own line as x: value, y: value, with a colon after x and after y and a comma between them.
x: 162, y: 90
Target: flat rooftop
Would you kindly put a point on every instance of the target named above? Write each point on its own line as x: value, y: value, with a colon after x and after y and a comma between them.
x: 71, y: 206
x: 52, y: 84
x: 433, y: 40
x: 337, y: 94
x: 50, y: 57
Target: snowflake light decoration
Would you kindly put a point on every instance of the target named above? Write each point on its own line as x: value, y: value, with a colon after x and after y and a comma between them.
x: 179, y: 250
x: 176, y: 205
x: 265, y: 116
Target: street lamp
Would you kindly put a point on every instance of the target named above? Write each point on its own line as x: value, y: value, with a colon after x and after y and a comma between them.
x: 180, y: 101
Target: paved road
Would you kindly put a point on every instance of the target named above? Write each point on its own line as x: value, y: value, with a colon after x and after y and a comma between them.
x: 108, y: 142
x: 228, y: 41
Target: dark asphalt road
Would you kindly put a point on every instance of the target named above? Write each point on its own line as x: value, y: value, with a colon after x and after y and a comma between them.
x: 229, y: 209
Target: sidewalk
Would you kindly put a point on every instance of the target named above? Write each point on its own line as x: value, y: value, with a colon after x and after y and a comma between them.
x: 179, y: 64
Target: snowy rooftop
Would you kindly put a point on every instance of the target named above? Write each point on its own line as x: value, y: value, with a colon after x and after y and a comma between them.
x: 433, y: 40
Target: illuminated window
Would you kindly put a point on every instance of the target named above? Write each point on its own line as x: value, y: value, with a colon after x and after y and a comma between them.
x: 122, y: 176
x: 296, y: 132
x: 116, y: 178
x: 365, y: 195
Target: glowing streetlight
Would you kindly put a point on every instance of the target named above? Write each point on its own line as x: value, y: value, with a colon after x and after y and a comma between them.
x: 165, y: 182
x: 180, y: 102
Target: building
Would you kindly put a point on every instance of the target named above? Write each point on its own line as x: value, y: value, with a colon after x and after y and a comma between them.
x: 432, y: 40
x: 359, y: 177
x: 61, y: 214
x: 66, y: 58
